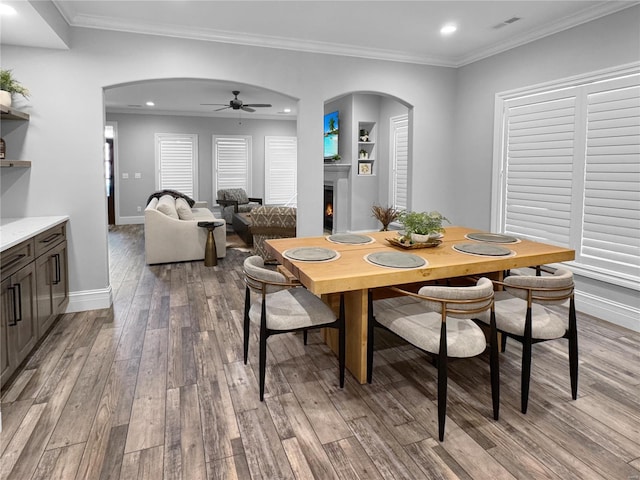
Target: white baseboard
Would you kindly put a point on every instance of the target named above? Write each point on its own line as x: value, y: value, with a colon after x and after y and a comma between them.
x: 89, y: 300
x: 605, y: 309
x: 130, y: 220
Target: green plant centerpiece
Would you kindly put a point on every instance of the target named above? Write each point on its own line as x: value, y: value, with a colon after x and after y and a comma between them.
x: 419, y: 227
x: 11, y: 86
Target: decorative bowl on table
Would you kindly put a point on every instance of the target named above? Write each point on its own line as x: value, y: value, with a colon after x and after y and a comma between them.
x: 402, y: 242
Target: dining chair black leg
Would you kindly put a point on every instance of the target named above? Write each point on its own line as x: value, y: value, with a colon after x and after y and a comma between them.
x: 503, y: 342
x: 442, y: 396
x: 573, y: 350
x: 263, y: 351
x: 341, y: 341
x: 305, y: 335
x: 442, y: 381
x: 247, y: 323
x: 494, y: 366
x: 370, y: 326
x: 526, y: 363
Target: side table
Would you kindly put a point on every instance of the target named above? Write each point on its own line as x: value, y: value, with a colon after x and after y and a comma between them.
x: 210, y: 254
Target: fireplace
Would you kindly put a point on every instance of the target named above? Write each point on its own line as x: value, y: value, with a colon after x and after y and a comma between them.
x: 328, y: 207
x: 336, y: 196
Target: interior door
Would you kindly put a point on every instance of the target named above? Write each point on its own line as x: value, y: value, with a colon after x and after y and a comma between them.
x: 109, y: 169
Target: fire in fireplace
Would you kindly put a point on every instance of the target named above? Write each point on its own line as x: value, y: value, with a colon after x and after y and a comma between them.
x: 328, y: 207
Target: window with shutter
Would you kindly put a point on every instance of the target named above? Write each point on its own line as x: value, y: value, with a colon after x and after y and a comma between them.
x: 539, y: 158
x: 567, y: 169
x: 280, y: 170
x: 400, y: 161
x: 177, y: 163
x: 232, y: 162
x: 611, y: 218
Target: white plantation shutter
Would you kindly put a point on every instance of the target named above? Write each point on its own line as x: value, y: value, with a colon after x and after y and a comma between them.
x: 280, y: 170
x: 539, y: 158
x: 611, y: 219
x: 569, y: 172
x: 400, y: 161
x: 232, y: 160
x: 177, y: 162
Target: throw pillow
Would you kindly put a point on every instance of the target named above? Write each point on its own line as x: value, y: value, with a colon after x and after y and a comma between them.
x: 184, y: 212
x: 167, y: 205
x: 174, y: 194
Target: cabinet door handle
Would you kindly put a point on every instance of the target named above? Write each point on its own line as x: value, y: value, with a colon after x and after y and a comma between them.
x: 19, y: 316
x: 50, y: 238
x: 56, y: 259
x: 17, y: 302
x: 13, y: 298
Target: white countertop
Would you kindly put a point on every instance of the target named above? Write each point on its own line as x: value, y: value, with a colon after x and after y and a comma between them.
x: 16, y: 230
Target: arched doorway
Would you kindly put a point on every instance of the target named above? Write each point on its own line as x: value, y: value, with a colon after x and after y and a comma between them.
x: 369, y: 147
x: 201, y: 107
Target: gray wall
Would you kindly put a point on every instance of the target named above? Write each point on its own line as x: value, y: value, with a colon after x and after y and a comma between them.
x: 606, y: 42
x: 452, y: 118
x: 136, y: 152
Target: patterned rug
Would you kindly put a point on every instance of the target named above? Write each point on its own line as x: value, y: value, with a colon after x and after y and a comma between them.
x: 234, y: 241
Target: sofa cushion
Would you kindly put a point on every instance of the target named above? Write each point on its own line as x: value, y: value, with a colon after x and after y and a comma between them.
x: 183, y: 209
x: 202, y: 214
x: 167, y: 205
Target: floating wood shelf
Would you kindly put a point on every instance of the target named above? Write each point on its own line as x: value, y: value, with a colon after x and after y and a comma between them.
x: 8, y: 113
x: 15, y: 163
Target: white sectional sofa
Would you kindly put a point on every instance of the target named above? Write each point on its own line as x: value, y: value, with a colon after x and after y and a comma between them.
x: 171, y: 232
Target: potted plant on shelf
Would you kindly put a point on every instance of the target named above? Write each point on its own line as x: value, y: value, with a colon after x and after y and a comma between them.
x: 9, y: 86
x: 420, y: 227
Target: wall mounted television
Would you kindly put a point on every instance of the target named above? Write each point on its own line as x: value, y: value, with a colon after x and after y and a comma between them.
x: 331, y: 132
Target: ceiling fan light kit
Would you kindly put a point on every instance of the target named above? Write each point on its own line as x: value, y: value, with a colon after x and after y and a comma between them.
x: 237, y: 104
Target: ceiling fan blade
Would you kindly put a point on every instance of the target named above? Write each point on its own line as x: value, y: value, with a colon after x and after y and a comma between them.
x: 223, y: 108
x: 214, y: 104
x: 258, y: 105
x: 246, y: 108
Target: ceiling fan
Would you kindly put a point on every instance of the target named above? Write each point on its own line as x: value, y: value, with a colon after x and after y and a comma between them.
x: 237, y: 104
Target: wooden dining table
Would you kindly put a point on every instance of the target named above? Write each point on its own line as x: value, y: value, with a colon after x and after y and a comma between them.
x: 351, y: 274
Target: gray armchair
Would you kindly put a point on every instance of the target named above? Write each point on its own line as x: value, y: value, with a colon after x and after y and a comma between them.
x: 235, y: 200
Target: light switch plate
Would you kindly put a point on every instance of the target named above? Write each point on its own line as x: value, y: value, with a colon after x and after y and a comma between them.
x: 137, y: 175
x: 125, y: 175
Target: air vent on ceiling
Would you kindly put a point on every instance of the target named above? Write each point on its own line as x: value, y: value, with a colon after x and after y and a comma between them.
x: 506, y: 22
x: 134, y: 106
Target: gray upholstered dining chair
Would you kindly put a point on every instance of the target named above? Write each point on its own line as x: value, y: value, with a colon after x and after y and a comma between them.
x: 522, y: 314
x: 439, y: 320
x: 282, y: 306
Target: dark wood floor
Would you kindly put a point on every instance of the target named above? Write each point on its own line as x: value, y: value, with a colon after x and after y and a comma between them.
x: 155, y: 387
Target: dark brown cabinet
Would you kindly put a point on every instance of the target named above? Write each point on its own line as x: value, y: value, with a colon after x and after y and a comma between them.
x: 34, y: 291
x: 53, y: 286
x: 19, y: 326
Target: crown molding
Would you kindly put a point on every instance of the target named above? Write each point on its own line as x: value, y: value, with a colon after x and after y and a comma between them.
x: 328, y: 48
x: 248, y: 39
x: 587, y: 15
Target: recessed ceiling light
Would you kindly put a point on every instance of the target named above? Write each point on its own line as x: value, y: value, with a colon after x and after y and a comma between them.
x: 448, y: 29
x: 287, y: 110
x: 7, y: 10
x: 150, y: 104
